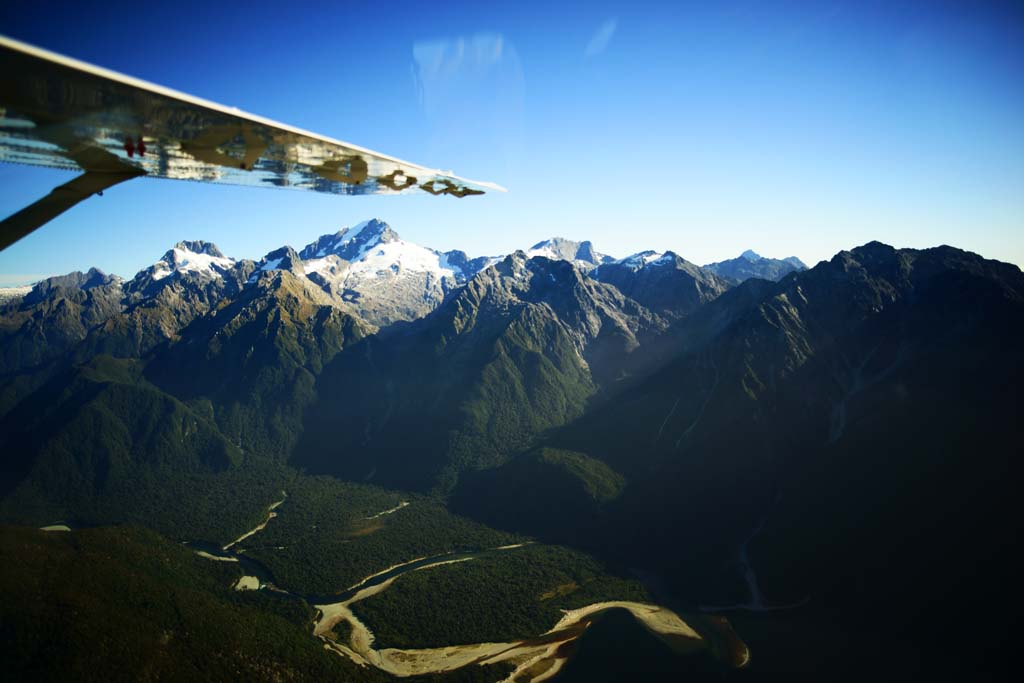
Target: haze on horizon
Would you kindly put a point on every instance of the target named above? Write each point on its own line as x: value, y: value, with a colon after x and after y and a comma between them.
x: 796, y: 129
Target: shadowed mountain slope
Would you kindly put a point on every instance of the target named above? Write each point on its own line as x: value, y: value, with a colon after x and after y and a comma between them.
x: 518, y: 351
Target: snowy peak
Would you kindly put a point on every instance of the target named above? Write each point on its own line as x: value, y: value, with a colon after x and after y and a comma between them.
x: 397, y: 256
x: 561, y: 249
x: 199, y: 247
x: 384, y: 277
x: 198, y: 258
x: 374, y: 250
x: 351, y: 243
x: 642, y: 258
x: 639, y: 261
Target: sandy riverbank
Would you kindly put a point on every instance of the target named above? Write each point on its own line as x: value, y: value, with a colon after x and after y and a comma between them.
x: 390, y: 511
x: 215, y: 558
x: 260, y: 527
x: 247, y: 583
x: 536, y: 659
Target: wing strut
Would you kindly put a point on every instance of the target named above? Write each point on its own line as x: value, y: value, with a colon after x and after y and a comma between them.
x: 62, y: 198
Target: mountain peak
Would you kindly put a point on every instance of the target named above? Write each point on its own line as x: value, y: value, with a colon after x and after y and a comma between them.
x: 373, y: 230
x: 94, y: 277
x: 351, y: 243
x: 751, y: 264
x: 552, y: 242
x: 282, y: 258
x: 641, y: 258
x: 751, y: 255
x: 795, y: 262
x: 194, y: 257
x: 561, y: 249
x: 876, y: 248
x: 198, y: 247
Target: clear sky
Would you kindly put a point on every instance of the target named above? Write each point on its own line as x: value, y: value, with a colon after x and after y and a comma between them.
x: 791, y: 128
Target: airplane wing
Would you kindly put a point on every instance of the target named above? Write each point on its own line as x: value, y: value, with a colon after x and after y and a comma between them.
x: 63, y: 113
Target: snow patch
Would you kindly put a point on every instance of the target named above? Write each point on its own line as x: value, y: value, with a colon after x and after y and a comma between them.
x: 323, y: 266
x: 271, y: 264
x: 407, y: 256
x: 546, y: 251
x: 444, y: 264
x: 641, y: 259
x: 184, y: 261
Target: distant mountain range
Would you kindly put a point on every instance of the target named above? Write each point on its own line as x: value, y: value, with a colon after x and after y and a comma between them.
x: 248, y: 342
x: 749, y: 264
x: 367, y: 270
x: 751, y: 433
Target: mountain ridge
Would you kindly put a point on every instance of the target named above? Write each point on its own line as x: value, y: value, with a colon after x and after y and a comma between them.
x: 822, y: 446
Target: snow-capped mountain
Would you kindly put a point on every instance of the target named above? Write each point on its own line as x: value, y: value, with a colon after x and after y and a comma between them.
x: 350, y: 244
x: 193, y: 257
x: 191, y: 268
x: 372, y: 248
x: 385, y: 278
x: 561, y: 249
x: 388, y: 279
x: 369, y: 270
x: 640, y: 259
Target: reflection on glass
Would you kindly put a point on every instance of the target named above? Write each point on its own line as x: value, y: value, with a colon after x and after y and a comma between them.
x: 71, y: 117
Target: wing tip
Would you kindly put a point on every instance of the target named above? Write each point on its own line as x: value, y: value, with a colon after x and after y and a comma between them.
x: 482, y: 185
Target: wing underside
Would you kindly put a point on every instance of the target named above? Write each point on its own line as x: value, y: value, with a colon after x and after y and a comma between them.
x: 61, y: 113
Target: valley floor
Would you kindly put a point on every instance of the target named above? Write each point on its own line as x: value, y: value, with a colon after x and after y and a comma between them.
x: 535, y: 659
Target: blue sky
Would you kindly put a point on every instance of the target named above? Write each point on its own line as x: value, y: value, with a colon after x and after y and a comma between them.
x: 792, y: 128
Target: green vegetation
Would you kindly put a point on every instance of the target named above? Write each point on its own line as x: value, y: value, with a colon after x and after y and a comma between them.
x: 547, y: 493
x: 122, y: 603
x: 187, y: 506
x: 533, y: 382
x: 328, y: 535
x: 866, y: 409
x: 600, y: 482
x: 341, y: 632
x: 475, y: 387
x: 49, y: 322
x: 497, y: 597
x: 256, y: 361
x: 98, y: 444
